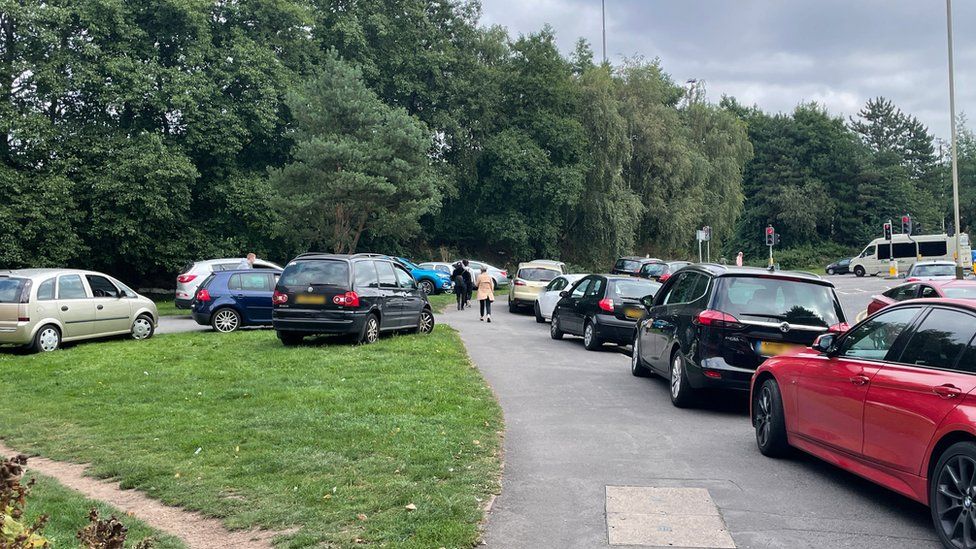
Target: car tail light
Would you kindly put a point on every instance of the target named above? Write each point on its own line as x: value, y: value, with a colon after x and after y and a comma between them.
x: 663, y: 277
x: 203, y: 295
x: 279, y: 297
x: 348, y: 299
x: 839, y: 328
x: 184, y: 278
x: 505, y: 274
x: 606, y: 304
x: 519, y: 282
x: 718, y: 319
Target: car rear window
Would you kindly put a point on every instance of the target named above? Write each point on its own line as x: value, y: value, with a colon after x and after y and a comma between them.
x: 934, y: 270
x: 776, y: 299
x: 537, y: 274
x: 654, y: 269
x: 634, y: 289
x: 960, y: 292
x: 319, y: 272
x: 10, y: 289
x: 627, y: 265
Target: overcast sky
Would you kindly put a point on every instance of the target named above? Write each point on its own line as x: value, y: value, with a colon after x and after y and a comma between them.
x: 777, y: 53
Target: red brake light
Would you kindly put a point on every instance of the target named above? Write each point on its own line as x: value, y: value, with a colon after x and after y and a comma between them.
x: 348, y: 299
x: 839, y: 328
x: 606, y: 304
x: 519, y: 282
x: 711, y: 317
x: 279, y: 297
x: 664, y: 277
x: 184, y: 278
x: 203, y: 295
x: 505, y: 274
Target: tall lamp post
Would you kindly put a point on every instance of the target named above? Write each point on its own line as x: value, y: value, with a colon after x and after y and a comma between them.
x: 952, y: 122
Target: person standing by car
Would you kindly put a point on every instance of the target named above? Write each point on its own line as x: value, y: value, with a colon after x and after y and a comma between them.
x: 738, y: 260
x: 248, y: 262
x: 468, y: 281
x: 486, y: 293
x: 460, y: 289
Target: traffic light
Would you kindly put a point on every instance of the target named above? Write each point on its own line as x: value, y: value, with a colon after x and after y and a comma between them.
x: 770, y: 236
x: 776, y: 239
x: 887, y: 231
x: 906, y: 224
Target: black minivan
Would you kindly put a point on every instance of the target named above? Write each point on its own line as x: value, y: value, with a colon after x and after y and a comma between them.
x: 711, y: 326
x: 359, y: 294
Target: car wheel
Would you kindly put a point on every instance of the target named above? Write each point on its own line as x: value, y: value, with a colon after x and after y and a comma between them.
x: 769, y: 420
x: 225, y: 320
x: 859, y: 271
x: 427, y: 287
x: 538, y: 314
x: 426, y: 323
x: 554, y: 331
x: 47, y: 339
x: 682, y: 394
x: 290, y: 339
x: 952, y: 495
x: 371, y: 330
x: 143, y: 327
x: 637, y: 367
x: 830, y: 271
x: 591, y: 341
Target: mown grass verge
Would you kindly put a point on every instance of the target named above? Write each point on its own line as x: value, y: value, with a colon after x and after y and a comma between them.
x: 334, y: 439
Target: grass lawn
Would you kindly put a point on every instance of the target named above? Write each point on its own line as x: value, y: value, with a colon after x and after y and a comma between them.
x: 68, y: 512
x: 332, y: 438
x: 167, y: 307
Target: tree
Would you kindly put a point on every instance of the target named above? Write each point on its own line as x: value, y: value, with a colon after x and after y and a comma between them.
x: 359, y: 167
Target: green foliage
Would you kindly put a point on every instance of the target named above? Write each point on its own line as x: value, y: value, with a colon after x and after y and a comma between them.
x: 813, y: 257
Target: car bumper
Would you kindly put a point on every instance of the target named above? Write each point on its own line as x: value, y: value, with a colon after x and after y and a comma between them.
x: 326, y: 322
x: 525, y: 296
x: 15, y: 334
x: 183, y: 303
x: 612, y: 329
x: 202, y: 318
x: 716, y: 373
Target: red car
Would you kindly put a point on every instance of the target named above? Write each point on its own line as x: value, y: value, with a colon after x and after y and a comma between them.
x: 960, y: 289
x: 890, y: 400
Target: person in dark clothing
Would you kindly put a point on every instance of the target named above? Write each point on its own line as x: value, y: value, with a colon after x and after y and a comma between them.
x: 460, y: 287
x: 468, y: 281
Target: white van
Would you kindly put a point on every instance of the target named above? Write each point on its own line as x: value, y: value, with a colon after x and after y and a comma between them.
x: 923, y: 247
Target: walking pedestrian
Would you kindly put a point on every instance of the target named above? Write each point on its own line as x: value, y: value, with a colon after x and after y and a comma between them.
x: 460, y: 288
x: 468, y: 281
x: 486, y: 293
x: 738, y: 260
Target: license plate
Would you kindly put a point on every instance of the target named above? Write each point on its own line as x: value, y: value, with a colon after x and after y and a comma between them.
x: 303, y: 299
x: 633, y: 313
x: 773, y: 348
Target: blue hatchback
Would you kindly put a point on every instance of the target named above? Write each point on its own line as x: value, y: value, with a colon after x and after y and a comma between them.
x: 228, y: 300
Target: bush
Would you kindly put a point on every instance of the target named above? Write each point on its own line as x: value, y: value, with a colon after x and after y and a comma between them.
x: 812, y: 257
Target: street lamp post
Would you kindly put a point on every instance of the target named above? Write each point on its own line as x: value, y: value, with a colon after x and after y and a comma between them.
x: 952, y: 122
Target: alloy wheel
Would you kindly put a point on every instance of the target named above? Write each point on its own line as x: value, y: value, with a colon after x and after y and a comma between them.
x: 676, y: 370
x: 141, y: 328
x: 764, y: 416
x: 427, y: 287
x: 635, y: 355
x: 588, y: 335
x: 372, y: 330
x: 226, y: 320
x: 426, y: 322
x: 554, y: 325
x: 49, y: 339
x: 955, y: 502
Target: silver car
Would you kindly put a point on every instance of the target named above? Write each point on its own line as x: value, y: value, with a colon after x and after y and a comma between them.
x: 195, y: 273
x: 41, y: 308
x: 500, y: 276
x: 550, y: 296
x: 932, y: 270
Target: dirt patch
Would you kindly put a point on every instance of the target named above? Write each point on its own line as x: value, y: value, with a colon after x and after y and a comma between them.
x: 196, y: 530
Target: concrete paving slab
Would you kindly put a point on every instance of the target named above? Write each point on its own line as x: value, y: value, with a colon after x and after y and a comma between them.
x: 664, y: 517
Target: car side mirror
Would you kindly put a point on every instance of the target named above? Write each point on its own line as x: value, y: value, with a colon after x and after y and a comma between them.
x: 563, y: 293
x: 647, y: 301
x: 825, y: 343
x: 122, y: 294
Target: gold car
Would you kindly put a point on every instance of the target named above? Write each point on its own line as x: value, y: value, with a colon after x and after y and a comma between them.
x: 41, y: 308
x: 530, y: 279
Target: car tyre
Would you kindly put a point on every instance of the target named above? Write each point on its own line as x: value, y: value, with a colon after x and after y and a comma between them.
x: 770, y: 420
x: 637, y: 367
x: 143, y: 327
x: 290, y: 339
x: 859, y: 271
x: 371, y: 330
x: 427, y: 287
x: 47, y: 339
x: 947, y: 495
x: 591, y: 341
x: 225, y: 320
x: 554, y: 331
x: 425, y: 324
x: 830, y: 272
x: 682, y: 394
x: 512, y: 307
x: 538, y: 314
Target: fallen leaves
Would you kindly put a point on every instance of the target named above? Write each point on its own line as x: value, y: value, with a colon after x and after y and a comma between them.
x: 411, y: 507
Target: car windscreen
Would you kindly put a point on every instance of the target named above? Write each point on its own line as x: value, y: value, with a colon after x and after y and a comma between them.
x: 11, y: 289
x: 634, y: 289
x: 934, y: 270
x: 627, y: 265
x: 960, y: 292
x: 778, y: 300
x: 318, y: 272
x: 407, y: 263
x: 537, y: 274
x: 654, y: 269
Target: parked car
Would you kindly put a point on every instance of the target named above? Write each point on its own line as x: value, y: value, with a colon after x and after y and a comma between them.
x: 530, y: 279
x: 890, y: 401
x: 229, y: 300
x: 550, y: 295
x: 43, y: 308
x: 932, y: 270
x: 602, y: 309
x: 194, y: 273
x: 839, y: 267
x: 711, y: 326
x: 360, y: 294
x: 952, y: 288
x: 500, y: 276
x: 631, y: 265
x: 440, y: 266
x: 430, y: 281
x: 661, y: 271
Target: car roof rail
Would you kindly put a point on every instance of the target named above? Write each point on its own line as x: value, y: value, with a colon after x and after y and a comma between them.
x: 369, y: 254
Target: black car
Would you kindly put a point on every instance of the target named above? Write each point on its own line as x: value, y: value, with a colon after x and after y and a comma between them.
x: 631, y: 265
x: 711, y: 326
x: 839, y: 267
x: 359, y: 294
x: 661, y: 270
x: 601, y: 308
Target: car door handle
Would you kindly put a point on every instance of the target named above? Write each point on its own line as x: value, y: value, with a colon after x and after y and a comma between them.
x: 860, y: 380
x: 64, y: 307
x: 947, y: 391
x: 100, y: 307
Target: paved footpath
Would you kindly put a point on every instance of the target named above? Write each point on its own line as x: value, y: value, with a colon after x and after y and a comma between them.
x: 577, y: 422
